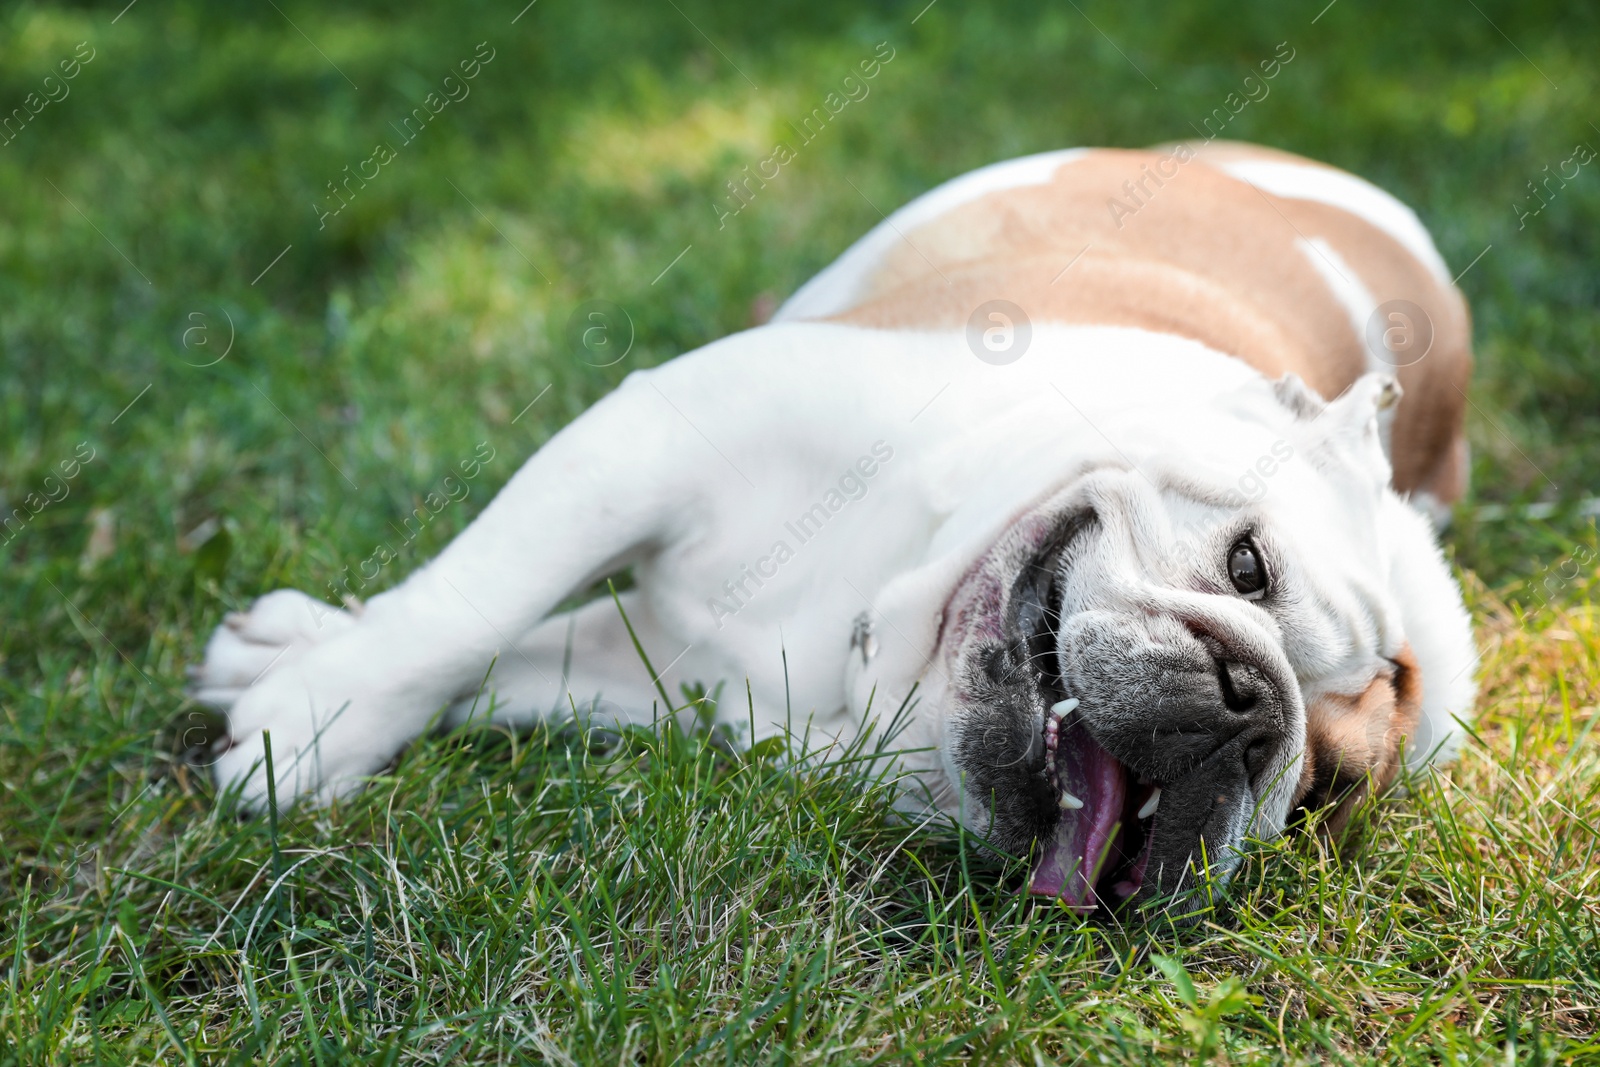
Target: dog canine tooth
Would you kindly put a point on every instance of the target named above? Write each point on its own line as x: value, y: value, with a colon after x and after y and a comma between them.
x: 1150, y: 805
x: 1061, y: 707
x: 1069, y: 802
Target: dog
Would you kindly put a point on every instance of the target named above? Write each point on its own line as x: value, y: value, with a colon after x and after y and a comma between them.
x: 1118, y: 470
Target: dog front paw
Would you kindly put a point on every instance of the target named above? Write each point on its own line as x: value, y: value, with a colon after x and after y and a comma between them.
x: 329, y: 730
x: 278, y: 629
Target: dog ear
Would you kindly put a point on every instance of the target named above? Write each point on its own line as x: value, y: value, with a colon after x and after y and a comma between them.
x: 1353, y: 431
x: 1356, y: 744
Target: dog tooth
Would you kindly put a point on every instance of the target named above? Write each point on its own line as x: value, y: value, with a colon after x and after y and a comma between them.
x: 1070, y: 802
x: 1150, y: 805
x: 1061, y: 707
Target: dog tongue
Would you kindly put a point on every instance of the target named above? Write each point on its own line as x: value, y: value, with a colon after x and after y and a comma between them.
x: 1075, y: 854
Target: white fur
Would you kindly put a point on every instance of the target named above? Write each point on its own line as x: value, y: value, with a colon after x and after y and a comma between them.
x: 1439, y: 630
x: 1304, y: 181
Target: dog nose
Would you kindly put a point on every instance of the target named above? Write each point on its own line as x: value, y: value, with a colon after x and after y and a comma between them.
x: 1165, y: 700
x: 1243, y: 690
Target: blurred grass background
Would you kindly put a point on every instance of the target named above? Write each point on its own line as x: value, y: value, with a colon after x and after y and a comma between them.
x: 166, y: 205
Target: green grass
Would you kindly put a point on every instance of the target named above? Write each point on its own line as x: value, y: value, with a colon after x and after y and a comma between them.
x: 497, y: 899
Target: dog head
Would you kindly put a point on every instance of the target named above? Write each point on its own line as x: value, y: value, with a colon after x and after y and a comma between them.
x: 1154, y: 664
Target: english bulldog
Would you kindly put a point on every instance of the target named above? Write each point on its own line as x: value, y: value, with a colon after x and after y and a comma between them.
x: 1117, y: 469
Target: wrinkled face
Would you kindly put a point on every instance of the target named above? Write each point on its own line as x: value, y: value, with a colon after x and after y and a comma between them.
x: 1142, y: 677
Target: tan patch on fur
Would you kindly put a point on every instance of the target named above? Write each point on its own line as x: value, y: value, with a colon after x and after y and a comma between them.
x: 1353, y: 741
x: 1223, y: 152
x: 1194, y: 252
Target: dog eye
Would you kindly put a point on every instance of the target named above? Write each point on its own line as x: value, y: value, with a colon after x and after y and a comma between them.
x: 1245, y: 570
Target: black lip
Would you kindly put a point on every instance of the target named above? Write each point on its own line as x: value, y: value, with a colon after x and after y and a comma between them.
x: 1034, y: 627
x: 1034, y: 613
x: 1003, y: 682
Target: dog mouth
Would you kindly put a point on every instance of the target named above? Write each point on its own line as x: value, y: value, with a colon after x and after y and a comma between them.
x: 1118, y: 747
x: 1105, y: 813
x: 1100, y: 848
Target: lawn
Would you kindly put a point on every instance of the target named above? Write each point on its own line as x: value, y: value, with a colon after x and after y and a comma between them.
x: 269, y: 271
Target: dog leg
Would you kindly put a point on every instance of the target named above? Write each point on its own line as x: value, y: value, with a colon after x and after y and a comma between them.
x: 583, y: 663
x: 612, y: 487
